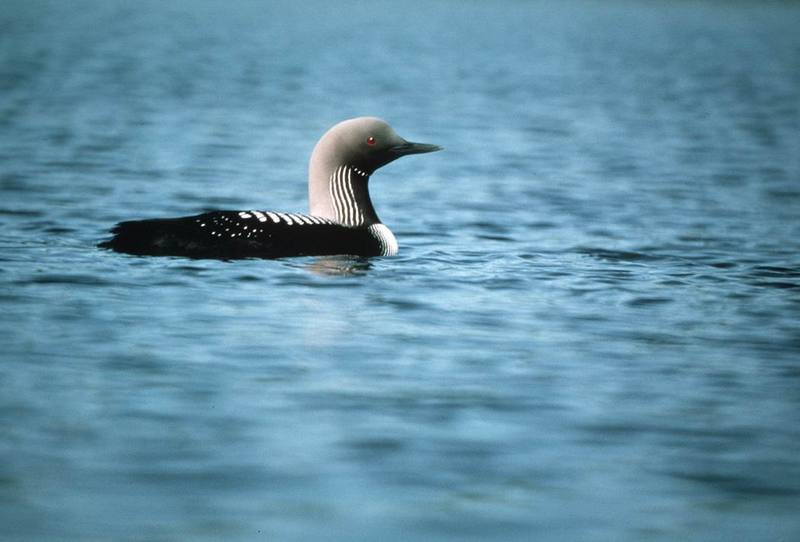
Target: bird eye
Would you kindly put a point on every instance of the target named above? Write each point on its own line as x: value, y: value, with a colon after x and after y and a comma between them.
x: 370, y: 140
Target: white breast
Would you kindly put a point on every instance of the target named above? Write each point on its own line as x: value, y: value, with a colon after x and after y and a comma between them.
x: 386, y: 238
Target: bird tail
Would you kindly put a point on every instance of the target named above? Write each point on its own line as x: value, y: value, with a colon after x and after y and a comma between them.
x: 141, y: 237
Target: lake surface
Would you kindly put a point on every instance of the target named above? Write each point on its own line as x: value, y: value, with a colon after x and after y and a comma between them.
x: 590, y: 332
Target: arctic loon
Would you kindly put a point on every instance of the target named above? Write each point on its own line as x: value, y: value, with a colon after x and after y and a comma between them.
x: 341, y: 218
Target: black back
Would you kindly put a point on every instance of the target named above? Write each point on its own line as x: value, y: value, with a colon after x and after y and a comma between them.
x: 241, y: 234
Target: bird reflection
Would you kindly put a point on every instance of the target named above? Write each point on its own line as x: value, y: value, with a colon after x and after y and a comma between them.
x: 339, y: 266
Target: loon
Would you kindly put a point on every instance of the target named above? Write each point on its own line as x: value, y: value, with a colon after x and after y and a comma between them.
x: 341, y: 218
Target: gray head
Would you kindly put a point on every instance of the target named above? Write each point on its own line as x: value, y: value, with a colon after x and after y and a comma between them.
x: 342, y: 162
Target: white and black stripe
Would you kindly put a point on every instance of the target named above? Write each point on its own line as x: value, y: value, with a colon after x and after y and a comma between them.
x: 385, y: 238
x: 343, y: 195
x: 289, y: 219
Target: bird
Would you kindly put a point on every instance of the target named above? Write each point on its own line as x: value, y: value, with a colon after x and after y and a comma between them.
x: 341, y: 218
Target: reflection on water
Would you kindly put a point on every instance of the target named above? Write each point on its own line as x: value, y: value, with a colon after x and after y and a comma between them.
x: 589, y: 332
x: 343, y: 266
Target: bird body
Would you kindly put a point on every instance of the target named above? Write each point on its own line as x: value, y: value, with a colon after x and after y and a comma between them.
x: 342, y: 219
x: 250, y: 234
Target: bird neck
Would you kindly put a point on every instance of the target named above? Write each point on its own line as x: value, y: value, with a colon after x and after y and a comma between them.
x: 341, y: 193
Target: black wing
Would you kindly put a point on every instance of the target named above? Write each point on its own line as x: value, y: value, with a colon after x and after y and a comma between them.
x: 241, y: 234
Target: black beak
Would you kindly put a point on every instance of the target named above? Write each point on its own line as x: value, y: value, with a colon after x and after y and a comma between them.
x: 407, y: 147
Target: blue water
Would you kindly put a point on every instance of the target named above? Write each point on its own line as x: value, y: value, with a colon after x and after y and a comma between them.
x: 590, y: 332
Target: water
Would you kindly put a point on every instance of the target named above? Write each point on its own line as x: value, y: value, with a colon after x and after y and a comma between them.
x: 590, y: 333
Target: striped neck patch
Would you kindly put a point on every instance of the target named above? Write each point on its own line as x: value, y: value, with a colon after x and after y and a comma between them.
x: 346, y: 183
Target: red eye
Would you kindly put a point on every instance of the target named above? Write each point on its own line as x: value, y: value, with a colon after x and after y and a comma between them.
x: 370, y: 140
